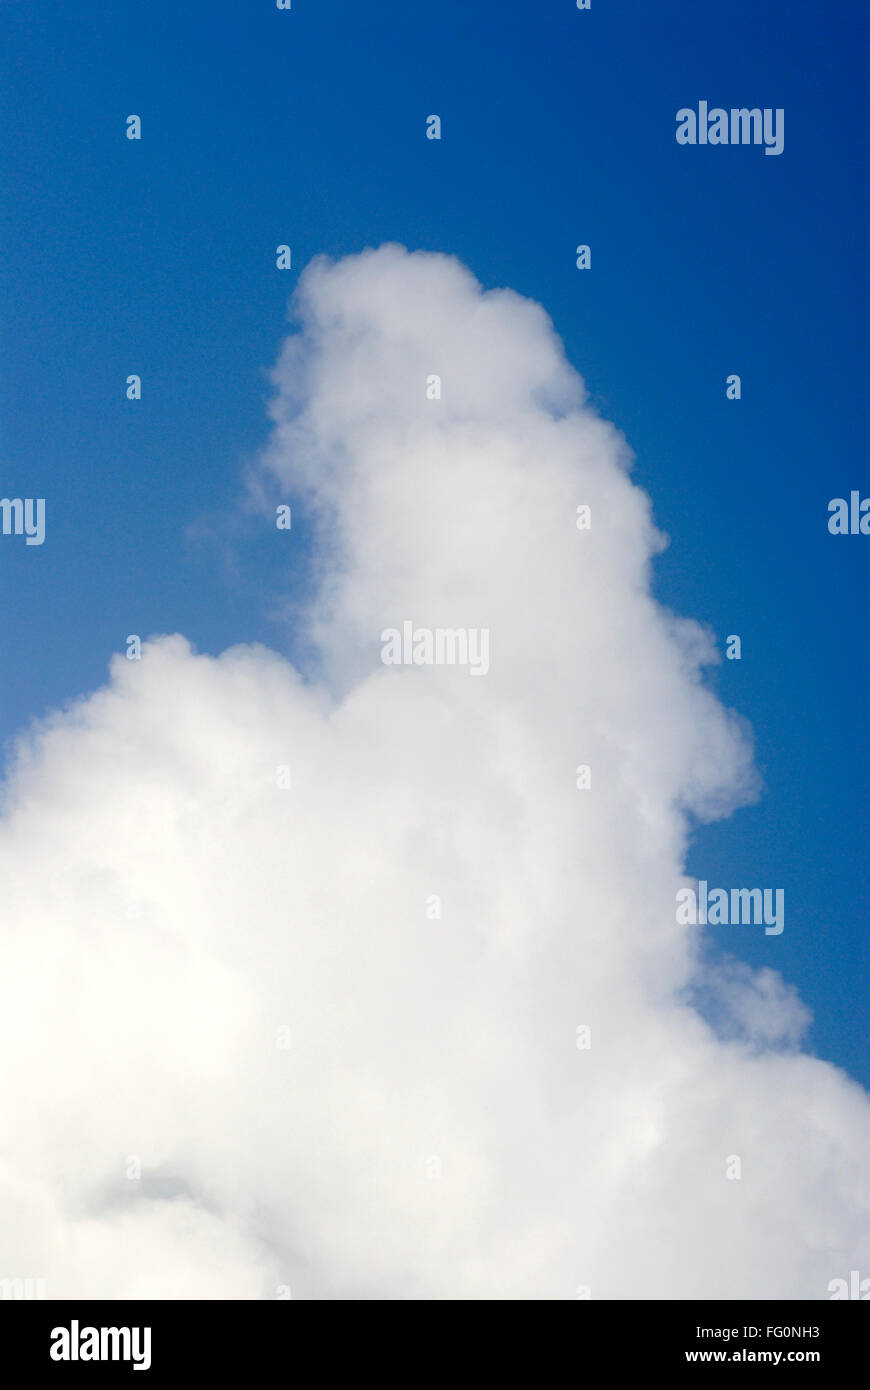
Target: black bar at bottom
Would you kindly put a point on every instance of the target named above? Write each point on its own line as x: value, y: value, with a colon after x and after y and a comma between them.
x: 66, y: 1337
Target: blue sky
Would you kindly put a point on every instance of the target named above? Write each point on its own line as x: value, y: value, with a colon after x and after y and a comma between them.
x: 262, y: 127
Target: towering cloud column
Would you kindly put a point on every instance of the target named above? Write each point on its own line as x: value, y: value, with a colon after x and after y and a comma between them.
x: 368, y: 982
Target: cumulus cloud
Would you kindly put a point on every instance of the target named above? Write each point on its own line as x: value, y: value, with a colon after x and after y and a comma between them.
x: 297, y: 966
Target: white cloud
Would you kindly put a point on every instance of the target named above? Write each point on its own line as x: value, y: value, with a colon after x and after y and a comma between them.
x: 167, y: 908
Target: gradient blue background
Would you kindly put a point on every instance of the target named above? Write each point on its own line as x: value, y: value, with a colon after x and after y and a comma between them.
x: 307, y: 127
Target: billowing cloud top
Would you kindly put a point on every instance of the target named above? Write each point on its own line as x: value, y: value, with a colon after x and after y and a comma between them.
x: 341, y: 984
